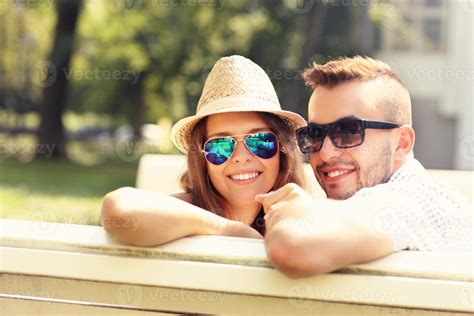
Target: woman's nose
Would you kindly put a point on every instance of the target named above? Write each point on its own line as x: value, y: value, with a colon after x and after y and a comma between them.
x: 241, y: 152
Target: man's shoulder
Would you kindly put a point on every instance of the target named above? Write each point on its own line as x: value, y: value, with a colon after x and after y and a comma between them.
x: 415, y: 185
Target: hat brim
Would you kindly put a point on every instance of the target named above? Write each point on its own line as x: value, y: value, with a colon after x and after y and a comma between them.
x: 182, y: 129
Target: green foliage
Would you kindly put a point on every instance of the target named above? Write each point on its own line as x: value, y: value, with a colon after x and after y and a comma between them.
x: 167, y: 47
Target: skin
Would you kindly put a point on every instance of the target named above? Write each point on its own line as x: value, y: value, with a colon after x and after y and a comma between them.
x: 240, y: 196
x: 148, y: 218
x: 308, y: 236
x: 366, y: 165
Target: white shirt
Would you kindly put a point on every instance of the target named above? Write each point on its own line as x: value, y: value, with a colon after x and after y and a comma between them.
x: 419, y: 212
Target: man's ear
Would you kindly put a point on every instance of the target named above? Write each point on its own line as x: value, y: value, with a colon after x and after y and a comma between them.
x: 406, y: 142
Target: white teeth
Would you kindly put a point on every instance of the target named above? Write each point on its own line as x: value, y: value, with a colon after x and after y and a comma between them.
x: 336, y: 173
x: 244, y: 176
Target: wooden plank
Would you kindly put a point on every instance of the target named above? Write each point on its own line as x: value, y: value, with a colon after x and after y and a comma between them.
x: 219, y: 249
x: 173, y: 299
x: 389, y: 291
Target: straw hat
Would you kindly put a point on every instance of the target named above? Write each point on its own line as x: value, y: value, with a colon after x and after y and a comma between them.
x: 235, y: 84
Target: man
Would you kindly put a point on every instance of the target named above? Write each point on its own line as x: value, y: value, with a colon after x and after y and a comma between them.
x: 380, y: 198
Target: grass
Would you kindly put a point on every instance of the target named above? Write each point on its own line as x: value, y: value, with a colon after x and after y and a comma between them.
x: 59, y: 191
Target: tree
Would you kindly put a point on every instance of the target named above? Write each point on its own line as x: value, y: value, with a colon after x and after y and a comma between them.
x: 51, y: 130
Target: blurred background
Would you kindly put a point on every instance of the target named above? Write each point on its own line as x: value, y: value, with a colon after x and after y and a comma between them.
x: 89, y: 86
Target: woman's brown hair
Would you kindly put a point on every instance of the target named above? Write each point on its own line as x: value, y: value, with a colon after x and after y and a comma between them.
x: 196, y: 180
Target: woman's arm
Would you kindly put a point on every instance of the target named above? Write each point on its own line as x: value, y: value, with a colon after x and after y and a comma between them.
x: 148, y: 218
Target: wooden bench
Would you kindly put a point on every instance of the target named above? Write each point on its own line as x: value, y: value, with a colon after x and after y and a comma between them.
x: 51, y: 268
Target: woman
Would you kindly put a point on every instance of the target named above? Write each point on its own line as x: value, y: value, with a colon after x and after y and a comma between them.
x: 239, y: 144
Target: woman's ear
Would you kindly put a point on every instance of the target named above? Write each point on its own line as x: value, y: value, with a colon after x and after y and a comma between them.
x: 406, y: 142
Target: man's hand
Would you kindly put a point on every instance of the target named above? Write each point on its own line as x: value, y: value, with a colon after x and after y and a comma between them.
x: 288, y: 205
x: 308, y: 236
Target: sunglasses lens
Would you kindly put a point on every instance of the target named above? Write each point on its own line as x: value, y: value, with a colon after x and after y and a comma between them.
x: 310, y: 139
x: 347, y: 133
x: 263, y: 145
x: 218, y: 150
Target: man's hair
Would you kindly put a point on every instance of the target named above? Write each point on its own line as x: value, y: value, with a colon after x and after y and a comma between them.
x: 395, y: 106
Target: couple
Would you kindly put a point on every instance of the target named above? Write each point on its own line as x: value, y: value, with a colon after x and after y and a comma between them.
x: 245, y: 172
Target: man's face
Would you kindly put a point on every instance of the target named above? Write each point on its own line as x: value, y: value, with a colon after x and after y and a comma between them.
x: 343, y: 172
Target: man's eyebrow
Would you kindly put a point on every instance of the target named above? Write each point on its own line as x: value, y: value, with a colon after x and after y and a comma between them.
x: 349, y: 117
x: 253, y: 130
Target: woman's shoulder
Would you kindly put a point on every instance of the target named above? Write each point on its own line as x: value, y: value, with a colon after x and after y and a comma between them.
x: 186, y: 197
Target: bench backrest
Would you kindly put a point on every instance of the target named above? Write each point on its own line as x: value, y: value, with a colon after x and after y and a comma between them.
x: 161, y: 173
x: 52, y: 268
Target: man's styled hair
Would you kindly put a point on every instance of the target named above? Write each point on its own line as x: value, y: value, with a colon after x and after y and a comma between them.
x: 396, y: 104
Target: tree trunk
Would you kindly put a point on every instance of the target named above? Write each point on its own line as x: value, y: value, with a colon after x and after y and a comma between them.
x: 139, y: 107
x: 54, y: 82
x: 296, y: 95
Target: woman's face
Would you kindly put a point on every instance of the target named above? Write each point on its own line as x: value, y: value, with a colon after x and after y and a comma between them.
x: 228, y: 178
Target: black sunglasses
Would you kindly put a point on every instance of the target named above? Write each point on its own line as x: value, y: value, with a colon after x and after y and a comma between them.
x: 344, y: 133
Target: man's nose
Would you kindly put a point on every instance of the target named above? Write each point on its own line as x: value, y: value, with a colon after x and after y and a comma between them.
x: 241, y: 153
x: 328, y: 150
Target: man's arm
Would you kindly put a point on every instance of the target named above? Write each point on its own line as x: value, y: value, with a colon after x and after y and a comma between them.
x: 147, y: 218
x: 306, y: 237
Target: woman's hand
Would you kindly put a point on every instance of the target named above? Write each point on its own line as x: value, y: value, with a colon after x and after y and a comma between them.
x: 238, y: 229
x: 212, y: 224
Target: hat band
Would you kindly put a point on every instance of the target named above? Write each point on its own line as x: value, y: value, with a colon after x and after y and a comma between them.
x: 237, y: 104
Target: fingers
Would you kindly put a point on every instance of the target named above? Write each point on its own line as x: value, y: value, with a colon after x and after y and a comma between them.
x: 286, y: 192
x: 274, y: 196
